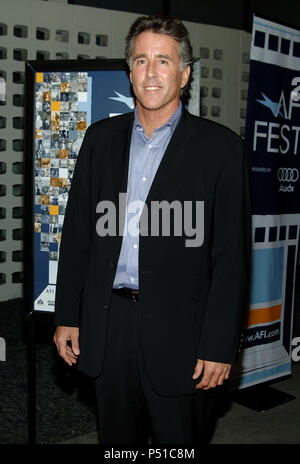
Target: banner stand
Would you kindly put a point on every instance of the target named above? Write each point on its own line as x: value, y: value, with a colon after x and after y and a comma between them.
x: 31, y: 380
x: 261, y: 397
x: 32, y: 319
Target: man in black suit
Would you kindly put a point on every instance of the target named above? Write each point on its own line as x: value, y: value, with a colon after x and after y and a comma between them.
x: 155, y: 317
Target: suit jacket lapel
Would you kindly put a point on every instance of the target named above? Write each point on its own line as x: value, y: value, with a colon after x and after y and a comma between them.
x: 120, y: 155
x: 172, y: 159
x: 170, y: 164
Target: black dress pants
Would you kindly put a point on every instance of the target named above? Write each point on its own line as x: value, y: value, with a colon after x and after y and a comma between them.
x: 129, y: 410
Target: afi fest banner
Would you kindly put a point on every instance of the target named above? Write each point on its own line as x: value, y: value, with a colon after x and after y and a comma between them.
x: 272, y: 136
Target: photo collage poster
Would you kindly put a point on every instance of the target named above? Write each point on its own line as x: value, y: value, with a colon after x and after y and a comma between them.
x: 65, y: 104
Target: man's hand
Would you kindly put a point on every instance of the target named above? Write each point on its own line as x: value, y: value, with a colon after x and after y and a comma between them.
x: 62, y: 336
x: 214, y: 373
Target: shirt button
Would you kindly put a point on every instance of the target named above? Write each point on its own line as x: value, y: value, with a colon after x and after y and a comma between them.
x: 150, y: 146
x: 131, y: 279
x: 144, y: 178
x: 135, y: 245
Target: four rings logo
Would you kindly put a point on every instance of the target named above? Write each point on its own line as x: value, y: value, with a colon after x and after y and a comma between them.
x: 288, y: 174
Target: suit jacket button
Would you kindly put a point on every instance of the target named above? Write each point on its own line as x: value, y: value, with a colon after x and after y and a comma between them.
x: 105, y: 307
x: 112, y: 264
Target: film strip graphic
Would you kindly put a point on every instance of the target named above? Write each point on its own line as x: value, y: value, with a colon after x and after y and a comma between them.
x: 275, y: 244
x: 275, y: 44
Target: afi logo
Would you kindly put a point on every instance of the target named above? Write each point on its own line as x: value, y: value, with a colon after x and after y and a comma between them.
x: 286, y: 104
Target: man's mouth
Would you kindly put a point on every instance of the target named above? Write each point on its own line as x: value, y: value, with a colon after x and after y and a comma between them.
x: 152, y: 87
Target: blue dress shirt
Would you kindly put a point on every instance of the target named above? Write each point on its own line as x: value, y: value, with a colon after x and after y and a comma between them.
x: 145, y: 157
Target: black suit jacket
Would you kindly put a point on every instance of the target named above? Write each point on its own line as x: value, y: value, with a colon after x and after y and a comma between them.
x: 191, y: 298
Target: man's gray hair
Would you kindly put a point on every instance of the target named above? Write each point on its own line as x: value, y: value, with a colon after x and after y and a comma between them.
x: 161, y: 25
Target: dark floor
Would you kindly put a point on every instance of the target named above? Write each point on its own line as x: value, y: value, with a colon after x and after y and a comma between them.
x: 65, y: 399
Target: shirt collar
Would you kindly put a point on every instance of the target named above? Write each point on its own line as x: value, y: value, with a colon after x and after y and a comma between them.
x: 172, y: 121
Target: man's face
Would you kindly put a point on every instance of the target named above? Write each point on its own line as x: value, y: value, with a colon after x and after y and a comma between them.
x: 155, y: 72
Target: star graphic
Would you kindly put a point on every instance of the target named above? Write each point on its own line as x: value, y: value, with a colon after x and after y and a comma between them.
x: 123, y: 99
x: 273, y: 106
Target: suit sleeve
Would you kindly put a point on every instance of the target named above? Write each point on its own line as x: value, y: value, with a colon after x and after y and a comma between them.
x: 230, y: 260
x: 75, y: 242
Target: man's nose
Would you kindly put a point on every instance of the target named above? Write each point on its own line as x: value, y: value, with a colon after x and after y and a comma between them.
x: 151, y: 69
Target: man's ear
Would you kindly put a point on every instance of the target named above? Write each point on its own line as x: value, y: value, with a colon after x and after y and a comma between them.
x: 185, y: 76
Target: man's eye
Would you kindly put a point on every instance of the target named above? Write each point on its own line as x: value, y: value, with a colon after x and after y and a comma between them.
x: 140, y: 61
x: 163, y: 61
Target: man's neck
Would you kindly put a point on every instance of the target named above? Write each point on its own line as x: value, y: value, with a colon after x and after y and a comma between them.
x: 153, y: 119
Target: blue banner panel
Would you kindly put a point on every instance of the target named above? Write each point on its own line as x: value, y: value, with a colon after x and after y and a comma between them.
x: 272, y: 136
x: 267, y: 268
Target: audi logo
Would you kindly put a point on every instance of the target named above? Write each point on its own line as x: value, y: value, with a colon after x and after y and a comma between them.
x: 288, y: 174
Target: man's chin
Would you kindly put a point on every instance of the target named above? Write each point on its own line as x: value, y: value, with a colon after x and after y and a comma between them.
x: 155, y: 105
x: 151, y: 106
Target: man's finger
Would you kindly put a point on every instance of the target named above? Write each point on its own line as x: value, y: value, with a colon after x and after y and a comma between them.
x: 217, y: 378
x: 210, y: 377
x: 205, y: 379
x: 61, y: 345
x: 224, y: 376
x: 62, y: 337
x: 70, y: 352
x: 71, y: 356
x: 62, y: 351
x: 207, y: 375
x: 213, y: 381
x: 65, y: 356
x: 221, y: 379
x: 227, y: 373
x: 198, y: 368
x: 75, y: 343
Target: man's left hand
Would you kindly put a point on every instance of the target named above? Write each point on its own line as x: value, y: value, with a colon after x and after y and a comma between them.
x: 214, y: 373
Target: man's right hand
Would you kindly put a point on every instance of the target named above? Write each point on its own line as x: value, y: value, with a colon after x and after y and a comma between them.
x: 62, y: 336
